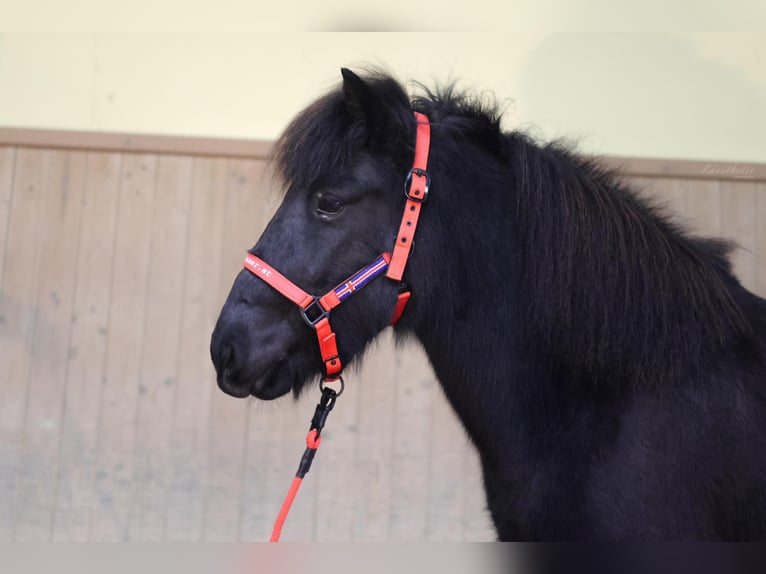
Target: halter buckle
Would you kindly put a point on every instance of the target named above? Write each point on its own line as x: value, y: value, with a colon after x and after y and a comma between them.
x: 408, y: 185
x: 314, y: 312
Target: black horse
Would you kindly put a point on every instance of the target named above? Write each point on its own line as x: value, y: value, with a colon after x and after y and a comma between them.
x: 608, y: 367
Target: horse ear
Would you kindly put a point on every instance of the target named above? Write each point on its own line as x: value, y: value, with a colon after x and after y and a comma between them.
x: 377, y: 104
x: 358, y: 96
x: 363, y: 103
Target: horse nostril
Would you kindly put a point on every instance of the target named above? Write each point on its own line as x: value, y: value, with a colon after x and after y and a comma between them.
x: 229, y: 367
x: 224, y: 359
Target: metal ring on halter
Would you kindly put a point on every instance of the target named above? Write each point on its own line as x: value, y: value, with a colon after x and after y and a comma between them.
x: 338, y: 378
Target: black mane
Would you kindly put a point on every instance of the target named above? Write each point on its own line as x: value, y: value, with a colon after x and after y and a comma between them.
x: 619, y: 291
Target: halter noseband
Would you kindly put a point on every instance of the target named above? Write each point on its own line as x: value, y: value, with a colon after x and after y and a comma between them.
x: 316, y: 310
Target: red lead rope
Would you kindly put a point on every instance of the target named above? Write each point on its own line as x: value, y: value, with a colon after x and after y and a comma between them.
x: 326, y: 403
x: 316, y: 310
x: 312, y: 444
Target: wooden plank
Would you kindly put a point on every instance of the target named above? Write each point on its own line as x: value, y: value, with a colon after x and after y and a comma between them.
x: 688, y: 169
x: 703, y: 207
x: 227, y: 433
x: 375, y: 442
x: 7, y: 172
x: 673, y: 194
x: 761, y: 245
x: 646, y: 187
x: 23, y: 251
x: 739, y: 223
x: 135, y: 143
x: 37, y: 479
x: 159, y: 353
x: 275, y: 443
x: 336, y: 473
x: 415, y: 388
x: 446, y: 488
x: 477, y: 523
x: 668, y: 195
x: 128, y: 283
x: 196, y: 377
x: 76, y: 497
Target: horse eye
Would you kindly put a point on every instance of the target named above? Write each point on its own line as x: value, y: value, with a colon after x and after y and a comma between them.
x: 329, y: 205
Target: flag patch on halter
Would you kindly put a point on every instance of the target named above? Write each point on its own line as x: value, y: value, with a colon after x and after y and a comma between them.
x: 362, y: 278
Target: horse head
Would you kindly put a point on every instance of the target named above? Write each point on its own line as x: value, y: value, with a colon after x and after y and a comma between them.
x: 342, y: 162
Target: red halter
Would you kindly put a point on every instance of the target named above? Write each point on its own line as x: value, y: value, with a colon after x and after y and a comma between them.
x: 316, y: 310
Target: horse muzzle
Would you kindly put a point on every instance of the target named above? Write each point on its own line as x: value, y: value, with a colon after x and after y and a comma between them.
x: 249, y: 361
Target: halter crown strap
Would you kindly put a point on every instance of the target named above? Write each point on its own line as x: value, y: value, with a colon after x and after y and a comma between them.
x: 416, y: 187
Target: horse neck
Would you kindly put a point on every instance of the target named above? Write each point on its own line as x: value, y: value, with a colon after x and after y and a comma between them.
x: 517, y: 320
x: 464, y: 308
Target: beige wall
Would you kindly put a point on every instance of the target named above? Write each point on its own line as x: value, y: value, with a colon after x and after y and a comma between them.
x: 693, y: 94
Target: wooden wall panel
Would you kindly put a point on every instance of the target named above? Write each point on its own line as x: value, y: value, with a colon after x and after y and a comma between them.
x: 76, y: 502
x: 111, y: 425
x: 159, y: 351
x: 58, y: 237
x: 227, y: 430
x: 739, y: 222
x: 415, y: 388
x: 336, y: 475
x: 120, y: 388
x: 23, y: 254
x: 477, y: 526
x: 447, y: 455
x: 7, y: 173
x: 377, y: 391
x: 761, y: 239
x: 188, y: 455
x: 728, y: 209
x: 703, y: 206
